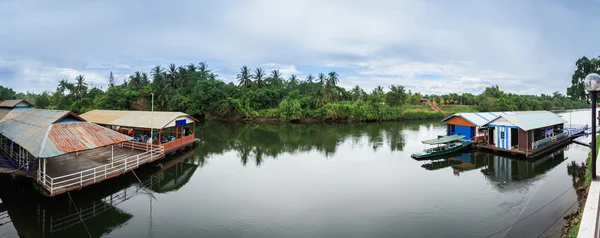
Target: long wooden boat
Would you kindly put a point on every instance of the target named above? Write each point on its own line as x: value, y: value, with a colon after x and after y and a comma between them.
x: 442, y: 146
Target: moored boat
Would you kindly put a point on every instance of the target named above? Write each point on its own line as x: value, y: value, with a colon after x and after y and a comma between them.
x: 442, y: 146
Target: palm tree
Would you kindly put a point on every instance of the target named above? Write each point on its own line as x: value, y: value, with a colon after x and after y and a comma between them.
x: 134, y: 80
x: 319, y: 97
x: 293, y: 82
x: 259, y: 73
x: 203, y: 70
x: 81, y: 87
x: 63, y: 85
x: 322, y: 78
x: 333, y: 79
x: 144, y: 80
x: 357, y: 93
x: 172, y: 76
x: 310, y: 78
x: 275, y: 77
x: 244, y: 77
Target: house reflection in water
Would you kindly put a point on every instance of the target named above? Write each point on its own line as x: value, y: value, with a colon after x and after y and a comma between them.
x: 498, y: 168
x: 59, y: 217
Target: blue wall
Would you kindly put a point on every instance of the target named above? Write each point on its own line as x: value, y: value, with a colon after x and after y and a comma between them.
x: 466, y: 131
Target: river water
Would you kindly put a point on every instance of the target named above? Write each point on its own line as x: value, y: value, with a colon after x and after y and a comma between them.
x: 311, y: 180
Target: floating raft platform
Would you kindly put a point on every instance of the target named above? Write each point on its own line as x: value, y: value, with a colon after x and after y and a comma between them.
x: 63, y: 151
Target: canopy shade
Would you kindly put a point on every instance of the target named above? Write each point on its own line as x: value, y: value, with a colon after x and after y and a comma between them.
x: 443, y: 140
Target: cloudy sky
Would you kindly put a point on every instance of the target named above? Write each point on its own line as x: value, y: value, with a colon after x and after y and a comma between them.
x: 429, y: 46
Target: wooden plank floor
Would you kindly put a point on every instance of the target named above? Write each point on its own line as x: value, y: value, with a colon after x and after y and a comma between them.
x: 76, y: 162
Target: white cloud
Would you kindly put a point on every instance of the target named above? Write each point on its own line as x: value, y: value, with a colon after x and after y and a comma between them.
x: 520, y: 46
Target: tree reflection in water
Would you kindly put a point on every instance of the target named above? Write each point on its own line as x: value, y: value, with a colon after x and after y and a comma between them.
x: 255, y: 142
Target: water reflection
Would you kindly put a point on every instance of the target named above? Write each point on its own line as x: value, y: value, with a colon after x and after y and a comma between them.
x: 255, y: 142
x: 37, y: 216
x: 345, y: 164
x: 497, y: 168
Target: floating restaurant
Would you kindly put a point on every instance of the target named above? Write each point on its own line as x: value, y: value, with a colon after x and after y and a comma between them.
x: 64, y: 152
x: 171, y: 130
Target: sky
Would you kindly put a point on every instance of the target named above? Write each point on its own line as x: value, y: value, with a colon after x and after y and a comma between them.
x: 433, y: 47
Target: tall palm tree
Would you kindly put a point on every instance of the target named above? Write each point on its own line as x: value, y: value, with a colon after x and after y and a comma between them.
x: 356, y: 93
x: 310, y: 78
x: 259, y: 74
x: 322, y: 78
x: 134, y: 80
x: 81, y: 86
x: 275, y: 77
x: 244, y: 77
x: 203, y: 70
x: 172, y: 76
x: 63, y: 85
x: 144, y: 80
x: 333, y: 78
x: 293, y: 82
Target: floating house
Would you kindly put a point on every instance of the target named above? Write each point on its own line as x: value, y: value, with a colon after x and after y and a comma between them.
x: 526, y: 133
x: 64, y: 152
x: 470, y: 124
x: 171, y: 130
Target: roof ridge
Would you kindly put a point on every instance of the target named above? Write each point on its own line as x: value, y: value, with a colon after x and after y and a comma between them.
x: 43, y: 144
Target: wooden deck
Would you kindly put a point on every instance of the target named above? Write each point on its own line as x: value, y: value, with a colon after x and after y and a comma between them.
x: 77, y: 170
x: 76, y: 162
x: 531, y: 153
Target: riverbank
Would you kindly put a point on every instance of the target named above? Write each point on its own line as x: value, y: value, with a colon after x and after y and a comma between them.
x: 349, y: 112
x: 571, y: 227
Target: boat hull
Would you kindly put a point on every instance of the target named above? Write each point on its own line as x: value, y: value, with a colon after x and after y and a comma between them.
x: 441, y: 153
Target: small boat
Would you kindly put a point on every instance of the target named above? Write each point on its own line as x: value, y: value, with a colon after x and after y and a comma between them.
x: 443, y: 145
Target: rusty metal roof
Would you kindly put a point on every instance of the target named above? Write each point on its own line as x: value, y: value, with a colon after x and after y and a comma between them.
x: 136, y: 119
x: 13, y: 103
x: 49, y: 133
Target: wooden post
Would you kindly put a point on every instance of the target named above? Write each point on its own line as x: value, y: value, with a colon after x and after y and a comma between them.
x: 112, y: 155
x: 44, y: 171
x: 39, y: 170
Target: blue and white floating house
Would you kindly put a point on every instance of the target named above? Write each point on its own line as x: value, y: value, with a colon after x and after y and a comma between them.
x: 526, y: 133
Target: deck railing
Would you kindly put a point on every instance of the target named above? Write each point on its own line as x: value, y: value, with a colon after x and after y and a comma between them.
x: 119, y: 165
x: 178, y: 142
x: 549, y: 140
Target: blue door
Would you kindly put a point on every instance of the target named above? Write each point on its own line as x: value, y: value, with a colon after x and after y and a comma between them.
x: 463, y: 130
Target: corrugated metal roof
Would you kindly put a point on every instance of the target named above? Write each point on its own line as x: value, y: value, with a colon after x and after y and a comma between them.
x: 13, y: 113
x: 137, y: 119
x: 479, y: 118
x: 4, y: 112
x: 533, y: 119
x: 12, y: 103
x: 42, y: 133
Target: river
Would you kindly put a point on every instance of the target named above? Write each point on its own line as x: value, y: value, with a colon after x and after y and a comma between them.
x: 311, y: 180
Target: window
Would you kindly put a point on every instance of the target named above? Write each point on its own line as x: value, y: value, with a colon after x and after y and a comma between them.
x: 502, y: 135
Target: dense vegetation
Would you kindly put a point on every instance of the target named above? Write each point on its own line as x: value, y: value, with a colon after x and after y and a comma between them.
x: 259, y: 94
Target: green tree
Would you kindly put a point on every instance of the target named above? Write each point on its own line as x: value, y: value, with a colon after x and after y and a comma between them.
x: 244, y: 77
x: 396, y: 96
x: 259, y: 73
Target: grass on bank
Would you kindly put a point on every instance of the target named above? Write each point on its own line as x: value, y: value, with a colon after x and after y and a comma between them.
x: 588, y: 180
